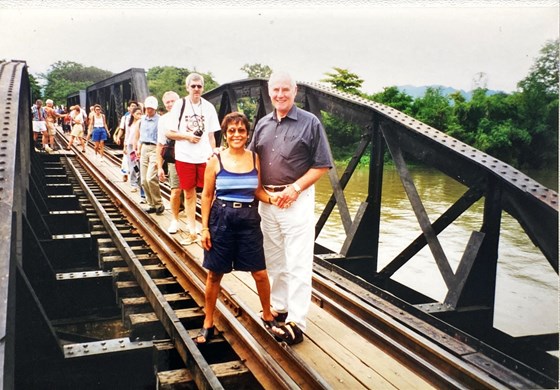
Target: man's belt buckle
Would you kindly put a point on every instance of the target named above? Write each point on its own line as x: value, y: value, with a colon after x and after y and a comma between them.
x: 236, y: 205
x: 273, y: 188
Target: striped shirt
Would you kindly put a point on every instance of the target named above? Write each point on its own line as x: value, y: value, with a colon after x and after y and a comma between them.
x: 236, y: 187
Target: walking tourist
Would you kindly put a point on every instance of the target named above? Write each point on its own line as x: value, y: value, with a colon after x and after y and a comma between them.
x: 98, y: 130
x: 77, y: 127
x: 39, y: 116
x: 146, y: 140
x: 194, y: 122
x: 169, y: 98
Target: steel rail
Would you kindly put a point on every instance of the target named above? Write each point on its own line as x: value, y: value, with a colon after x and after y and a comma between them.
x: 434, y: 354
x: 203, y: 375
x: 259, y: 350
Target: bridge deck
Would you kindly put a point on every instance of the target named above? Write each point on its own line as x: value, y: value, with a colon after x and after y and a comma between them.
x: 342, y: 357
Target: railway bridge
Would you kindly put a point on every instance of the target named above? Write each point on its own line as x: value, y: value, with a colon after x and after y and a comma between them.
x: 465, y: 315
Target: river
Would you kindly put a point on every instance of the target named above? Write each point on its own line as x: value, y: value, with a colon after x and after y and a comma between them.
x: 526, y: 287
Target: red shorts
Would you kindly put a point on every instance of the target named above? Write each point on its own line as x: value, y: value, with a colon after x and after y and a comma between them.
x: 190, y: 175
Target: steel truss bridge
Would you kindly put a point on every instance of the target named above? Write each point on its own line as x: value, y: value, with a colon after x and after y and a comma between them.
x: 469, y: 304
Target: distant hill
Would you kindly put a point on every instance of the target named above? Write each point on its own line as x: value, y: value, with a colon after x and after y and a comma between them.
x: 417, y: 92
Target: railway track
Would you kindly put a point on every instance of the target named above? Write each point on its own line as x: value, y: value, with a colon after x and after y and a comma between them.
x: 256, y: 352
x: 162, y: 291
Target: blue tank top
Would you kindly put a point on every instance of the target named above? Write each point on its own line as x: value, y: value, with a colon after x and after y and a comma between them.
x: 236, y: 187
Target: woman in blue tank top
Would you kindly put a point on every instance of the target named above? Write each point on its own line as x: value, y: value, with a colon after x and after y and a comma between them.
x: 231, y: 233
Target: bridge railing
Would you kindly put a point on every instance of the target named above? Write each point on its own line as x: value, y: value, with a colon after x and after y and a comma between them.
x: 469, y: 303
x: 503, y: 188
x: 15, y: 148
x: 113, y: 94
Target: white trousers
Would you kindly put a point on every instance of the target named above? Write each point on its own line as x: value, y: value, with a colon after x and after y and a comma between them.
x: 289, y: 239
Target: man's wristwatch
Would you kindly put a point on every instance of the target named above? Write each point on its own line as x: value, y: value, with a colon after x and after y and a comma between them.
x: 296, y: 187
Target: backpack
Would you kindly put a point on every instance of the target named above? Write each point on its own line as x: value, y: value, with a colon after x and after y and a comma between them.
x: 168, y: 150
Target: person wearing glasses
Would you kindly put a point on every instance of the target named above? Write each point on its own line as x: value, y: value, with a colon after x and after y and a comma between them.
x: 231, y: 232
x: 98, y: 130
x: 294, y: 153
x: 193, y: 124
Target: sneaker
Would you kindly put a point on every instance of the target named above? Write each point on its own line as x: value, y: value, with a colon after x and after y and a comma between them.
x: 134, y: 189
x: 143, y: 200
x: 48, y: 149
x: 172, y: 229
x: 160, y: 210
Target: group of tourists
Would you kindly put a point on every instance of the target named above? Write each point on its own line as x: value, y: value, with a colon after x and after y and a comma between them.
x: 45, y: 119
x: 257, y: 198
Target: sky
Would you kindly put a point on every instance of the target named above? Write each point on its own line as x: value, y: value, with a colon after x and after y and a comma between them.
x: 384, y: 42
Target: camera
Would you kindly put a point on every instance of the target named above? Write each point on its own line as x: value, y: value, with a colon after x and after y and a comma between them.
x: 198, y: 132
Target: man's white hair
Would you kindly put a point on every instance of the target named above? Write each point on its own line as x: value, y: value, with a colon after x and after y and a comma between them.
x: 276, y: 76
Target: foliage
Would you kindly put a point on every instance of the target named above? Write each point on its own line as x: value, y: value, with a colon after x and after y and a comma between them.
x: 538, y: 108
x: 344, y: 136
x: 393, y: 97
x: 169, y: 78
x: 434, y: 109
x: 248, y: 105
x: 257, y: 70
x: 66, y: 77
x: 35, y: 89
x: 344, y: 80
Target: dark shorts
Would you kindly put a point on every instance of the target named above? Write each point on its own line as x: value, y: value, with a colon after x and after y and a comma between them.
x: 237, y: 240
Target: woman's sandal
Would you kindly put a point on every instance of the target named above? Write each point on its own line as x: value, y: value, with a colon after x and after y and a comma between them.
x: 290, y: 333
x: 206, y: 333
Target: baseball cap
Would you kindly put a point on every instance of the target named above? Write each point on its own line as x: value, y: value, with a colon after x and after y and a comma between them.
x: 151, y: 102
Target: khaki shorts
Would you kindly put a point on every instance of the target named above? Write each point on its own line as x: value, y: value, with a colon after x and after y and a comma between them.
x: 77, y: 130
x: 51, y: 128
x: 173, y: 178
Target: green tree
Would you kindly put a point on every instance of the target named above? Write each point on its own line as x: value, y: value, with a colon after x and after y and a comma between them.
x: 538, y: 106
x: 257, y: 71
x: 343, y: 136
x: 344, y: 80
x: 35, y: 89
x: 248, y: 105
x: 393, y: 97
x: 434, y: 109
x: 66, y: 77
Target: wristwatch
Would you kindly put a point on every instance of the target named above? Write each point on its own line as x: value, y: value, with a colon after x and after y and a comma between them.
x: 296, y: 187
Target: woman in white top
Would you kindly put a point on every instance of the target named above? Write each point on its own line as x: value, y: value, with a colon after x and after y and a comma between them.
x: 132, y: 128
x: 98, y: 130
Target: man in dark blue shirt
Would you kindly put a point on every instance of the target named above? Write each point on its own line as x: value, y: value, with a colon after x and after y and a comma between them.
x: 294, y: 154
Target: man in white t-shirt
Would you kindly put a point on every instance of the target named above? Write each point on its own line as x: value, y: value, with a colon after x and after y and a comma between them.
x: 194, y: 122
